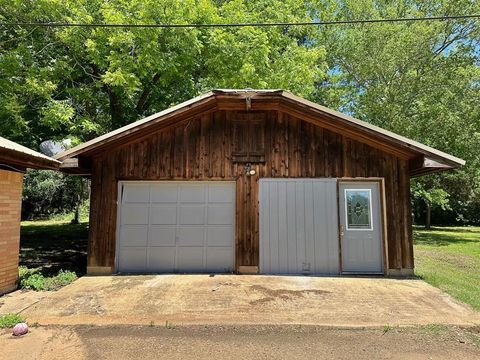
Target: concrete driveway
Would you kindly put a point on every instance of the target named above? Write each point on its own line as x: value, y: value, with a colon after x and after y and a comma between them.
x: 246, y: 300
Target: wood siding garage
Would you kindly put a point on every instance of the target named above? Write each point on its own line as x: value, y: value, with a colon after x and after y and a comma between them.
x: 246, y: 137
x: 298, y: 226
x: 176, y: 227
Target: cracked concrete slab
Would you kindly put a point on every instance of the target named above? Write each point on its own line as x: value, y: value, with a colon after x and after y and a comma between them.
x: 243, y: 300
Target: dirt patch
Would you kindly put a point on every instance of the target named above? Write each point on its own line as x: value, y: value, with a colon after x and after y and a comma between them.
x: 43, y: 343
x: 250, y: 342
x: 89, y: 304
x: 282, y: 294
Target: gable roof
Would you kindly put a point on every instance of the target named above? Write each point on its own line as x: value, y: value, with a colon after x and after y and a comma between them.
x: 13, y: 154
x: 271, y: 99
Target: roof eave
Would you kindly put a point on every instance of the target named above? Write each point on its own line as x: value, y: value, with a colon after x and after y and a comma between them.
x: 409, y: 145
x: 133, y: 127
x: 15, y: 158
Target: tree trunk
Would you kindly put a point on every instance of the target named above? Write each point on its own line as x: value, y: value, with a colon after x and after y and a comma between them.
x: 76, y: 217
x: 428, y: 219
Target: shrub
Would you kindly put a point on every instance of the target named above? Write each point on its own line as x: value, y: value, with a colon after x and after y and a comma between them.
x: 10, y: 320
x: 33, y: 279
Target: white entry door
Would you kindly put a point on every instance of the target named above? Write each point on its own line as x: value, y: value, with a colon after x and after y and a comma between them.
x: 298, y: 226
x: 176, y: 227
x: 361, y: 227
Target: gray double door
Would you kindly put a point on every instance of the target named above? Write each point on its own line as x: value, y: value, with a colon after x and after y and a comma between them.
x: 305, y: 225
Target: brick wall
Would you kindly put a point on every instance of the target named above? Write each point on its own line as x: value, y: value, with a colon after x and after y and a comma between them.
x: 10, y: 208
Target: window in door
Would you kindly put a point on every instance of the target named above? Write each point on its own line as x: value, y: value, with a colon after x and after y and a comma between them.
x: 358, y: 208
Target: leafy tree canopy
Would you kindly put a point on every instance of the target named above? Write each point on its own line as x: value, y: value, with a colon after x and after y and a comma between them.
x: 419, y: 79
x: 81, y: 82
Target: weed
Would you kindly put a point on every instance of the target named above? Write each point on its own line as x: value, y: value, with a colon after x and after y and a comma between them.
x: 169, y: 325
x: 10, y: 320
x: 152, y: 323
x: 33, y: 279
x: 435, y: 329
x: 387, y: 328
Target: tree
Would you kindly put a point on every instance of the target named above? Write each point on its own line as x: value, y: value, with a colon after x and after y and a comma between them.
x: 433, y: 197
x: 47, y: 193
x: 418, y: 79
x: 81, y: 82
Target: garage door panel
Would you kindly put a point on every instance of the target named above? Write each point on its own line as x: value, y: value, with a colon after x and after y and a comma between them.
x: 133, y: 259
x: 164, y: 194
x: 190, y: 259
x: 161, y: 259
x: 136, y: 194
x: 298, y: 230
x: 192, y: 214
x: 220, y: 194
x: 190, y: 236
x: 191, y: 193
x: 300, y: 225
x: 219, y: 215
x: 163, y: 214
x: 220, y: 236
x: 161, y: 236
x: 134, y: 235
x: 220, y: 259
x: 291, y: 209
x: 273, y: 228
x: 282, y: 228
x: 181, y: 227
x: 134, y: 214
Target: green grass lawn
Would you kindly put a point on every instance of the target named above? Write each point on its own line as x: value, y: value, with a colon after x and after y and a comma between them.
x: 54, y: 245
x: 449, y: 258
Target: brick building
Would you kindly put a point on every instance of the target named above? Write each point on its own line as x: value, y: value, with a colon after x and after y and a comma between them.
x: 14, y: 160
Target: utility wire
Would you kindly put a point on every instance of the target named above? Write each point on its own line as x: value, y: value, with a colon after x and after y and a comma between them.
x: 273, y: 24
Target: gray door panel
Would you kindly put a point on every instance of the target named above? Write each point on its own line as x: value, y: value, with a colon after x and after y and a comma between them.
x: 298, y: 226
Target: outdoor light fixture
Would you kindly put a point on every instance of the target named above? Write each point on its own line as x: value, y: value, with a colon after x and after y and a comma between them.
x: 248, y: 170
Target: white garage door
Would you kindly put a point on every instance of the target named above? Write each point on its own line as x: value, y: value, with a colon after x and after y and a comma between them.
x: 298, y: 226
x: 176, y: 227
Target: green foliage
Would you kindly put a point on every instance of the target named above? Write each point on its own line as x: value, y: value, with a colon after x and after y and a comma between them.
x: 10, y: 320
x: 33, y: 279
x: 417, y: 79
x: 430, y: 195
x: 81, y: 82
x: 47, y: 193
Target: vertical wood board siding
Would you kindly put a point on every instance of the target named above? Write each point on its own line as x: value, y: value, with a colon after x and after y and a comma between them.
x: 201, y: 149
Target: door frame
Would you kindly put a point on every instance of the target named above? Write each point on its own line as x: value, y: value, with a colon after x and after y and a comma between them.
x: 383, y: 217
x: 120, y: 184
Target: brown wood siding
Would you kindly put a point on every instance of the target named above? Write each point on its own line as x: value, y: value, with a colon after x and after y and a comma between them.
x: 201, y: 149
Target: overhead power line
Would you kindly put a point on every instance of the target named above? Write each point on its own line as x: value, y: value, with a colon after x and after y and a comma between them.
x: 231, y: 25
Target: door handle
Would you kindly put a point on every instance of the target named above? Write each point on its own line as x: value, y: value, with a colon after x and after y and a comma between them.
x: 341, y: 230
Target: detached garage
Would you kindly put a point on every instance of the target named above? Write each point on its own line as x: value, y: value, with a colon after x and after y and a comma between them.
x: 251, y: 181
